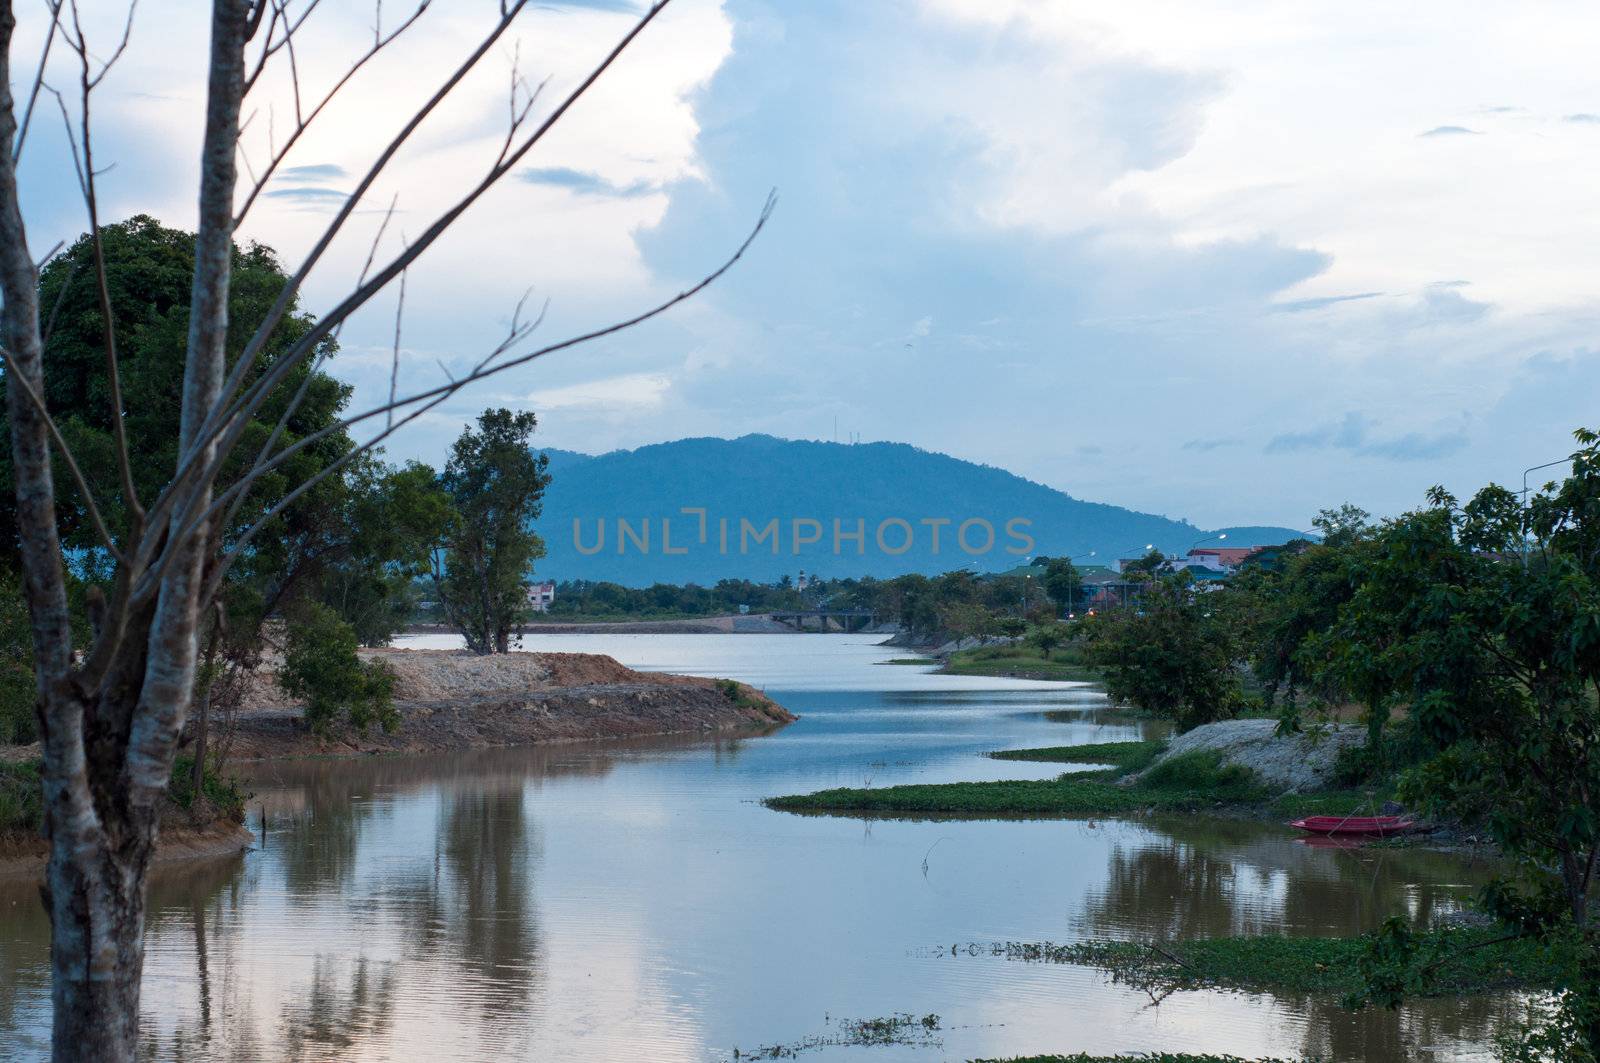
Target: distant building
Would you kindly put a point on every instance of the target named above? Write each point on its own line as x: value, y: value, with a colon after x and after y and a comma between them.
x: 1221, y: 558
x: 802, y: 583
x: 541, y: 595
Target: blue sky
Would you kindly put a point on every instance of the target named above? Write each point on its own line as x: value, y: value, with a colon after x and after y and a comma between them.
x: 1228, y: 261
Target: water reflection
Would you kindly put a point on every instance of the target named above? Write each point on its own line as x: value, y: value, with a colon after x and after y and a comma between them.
x: 1214, y: 877
x: 634, y: 900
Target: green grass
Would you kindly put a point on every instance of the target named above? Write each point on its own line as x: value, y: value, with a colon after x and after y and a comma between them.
x: 1329, y: 966
x: 1191, y: 782
x: 1125, y: 756
x: 909, y: 660
x: 1020, y: 659
x: 1335, y: 802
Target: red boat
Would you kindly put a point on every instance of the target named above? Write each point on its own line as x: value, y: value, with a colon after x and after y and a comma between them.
x: 1356, y: 826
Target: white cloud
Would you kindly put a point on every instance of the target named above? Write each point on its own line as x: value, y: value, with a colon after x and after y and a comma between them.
x: 634, y: 391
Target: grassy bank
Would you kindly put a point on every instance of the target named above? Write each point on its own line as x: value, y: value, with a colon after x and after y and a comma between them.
x: 1197, y: 781
x: 1020, y: 660
x: 1125, y: 757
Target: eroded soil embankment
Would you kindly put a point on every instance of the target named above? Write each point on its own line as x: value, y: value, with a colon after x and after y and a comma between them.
x: 452, y: 700
x: 23, y: 856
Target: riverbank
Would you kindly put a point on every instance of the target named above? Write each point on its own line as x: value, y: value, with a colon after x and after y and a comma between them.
x: 731, y: 624
x: 211, y: 824
x: 1124, y: 779
x: 452, y: 700
x: 1020, y: 660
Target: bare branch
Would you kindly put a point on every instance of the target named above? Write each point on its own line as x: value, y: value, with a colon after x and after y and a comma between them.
x: 222, y: 415
x: 38, y: 77
x: 305, y: 385
x: 394, y: 364
x: 430, y: 398
x: 86, y: 86
x: 229, y: 423
x: 80, y: 44
x: 258, y: 185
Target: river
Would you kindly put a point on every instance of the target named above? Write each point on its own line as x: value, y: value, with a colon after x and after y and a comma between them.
x: 635, y: 901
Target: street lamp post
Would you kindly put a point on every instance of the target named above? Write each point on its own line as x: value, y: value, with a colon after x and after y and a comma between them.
x: 1147, y: 548
x: 1523, y: 497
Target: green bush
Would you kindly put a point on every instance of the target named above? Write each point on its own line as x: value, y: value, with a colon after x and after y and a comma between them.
x: 222, y: 793
x: 17, y: 722
x: 21, y: 802
x: 320, y: 666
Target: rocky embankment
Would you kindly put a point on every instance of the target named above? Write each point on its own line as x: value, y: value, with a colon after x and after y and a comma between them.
x: 452, y: 700
x: 1295, y: 763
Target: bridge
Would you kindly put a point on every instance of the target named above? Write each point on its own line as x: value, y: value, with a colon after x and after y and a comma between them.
x: 846, y: 620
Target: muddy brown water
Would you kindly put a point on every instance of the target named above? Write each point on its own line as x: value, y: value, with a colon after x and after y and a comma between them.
x: 634, y: 901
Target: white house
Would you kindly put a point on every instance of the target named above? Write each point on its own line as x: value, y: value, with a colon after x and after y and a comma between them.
x: 540, y: 595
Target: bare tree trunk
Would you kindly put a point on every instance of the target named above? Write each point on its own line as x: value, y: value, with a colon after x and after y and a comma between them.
x: 110, y: 721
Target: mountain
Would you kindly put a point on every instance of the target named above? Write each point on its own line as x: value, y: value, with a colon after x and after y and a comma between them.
x: 771, y: 507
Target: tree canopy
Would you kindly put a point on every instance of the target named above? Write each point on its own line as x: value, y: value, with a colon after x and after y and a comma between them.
x: 495, y: 485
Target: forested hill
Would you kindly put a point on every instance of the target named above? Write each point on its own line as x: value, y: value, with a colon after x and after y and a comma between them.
x: 896, y: 495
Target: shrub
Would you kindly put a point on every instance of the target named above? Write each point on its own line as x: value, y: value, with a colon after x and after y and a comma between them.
x: 222, y: 794
x: 17, y: 723
x: 1202, y: 771
x: 21, y: 801
x: 320, y: 666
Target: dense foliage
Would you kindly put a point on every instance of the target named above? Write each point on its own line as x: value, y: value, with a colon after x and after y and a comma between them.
x: 354, y: 542
x: 495, y: 486
x: 1467, y: 635
x: 320, y: 666
x: 1174, y: 656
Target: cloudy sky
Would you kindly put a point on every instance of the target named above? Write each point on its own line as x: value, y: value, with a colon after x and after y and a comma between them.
x: 1225, y: 261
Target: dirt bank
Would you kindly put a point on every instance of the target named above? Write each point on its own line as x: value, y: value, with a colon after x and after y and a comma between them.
x: 24, y: 857
x: 452, y: 700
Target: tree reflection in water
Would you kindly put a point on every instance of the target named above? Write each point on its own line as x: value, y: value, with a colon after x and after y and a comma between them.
x: 1197, y: 877
x: 477, y: 910
x: 1212, y: 878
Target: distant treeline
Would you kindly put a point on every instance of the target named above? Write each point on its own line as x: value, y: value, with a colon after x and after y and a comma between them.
x: 958, y: 602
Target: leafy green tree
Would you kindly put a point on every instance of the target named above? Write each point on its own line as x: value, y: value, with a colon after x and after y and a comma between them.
x: 496, y: 487
x: 321, y: 666
x: 149, y: 271
x: 1146, y: 567
x: 1011, y: 627
x: 1047, y: 637
x: 1062, y: 581
x: 1485, y: 620
x: 394, y: 518
x: 1175, y: 656
x: 1343, y: 525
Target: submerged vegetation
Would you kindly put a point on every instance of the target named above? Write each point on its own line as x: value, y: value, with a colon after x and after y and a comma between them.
x: 1471, y: 960
x: 902, y: 1028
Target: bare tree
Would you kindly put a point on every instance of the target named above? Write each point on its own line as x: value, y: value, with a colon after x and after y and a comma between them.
x: 111, y: 711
